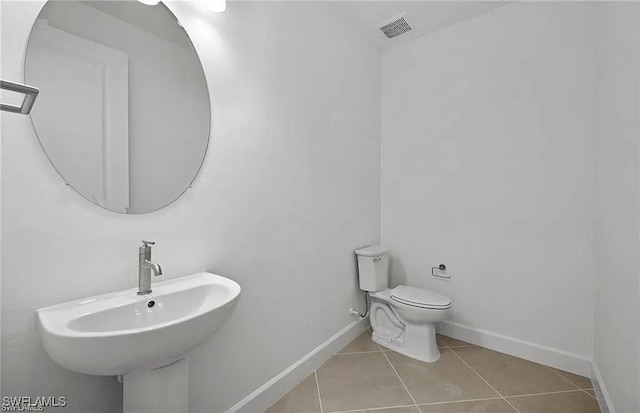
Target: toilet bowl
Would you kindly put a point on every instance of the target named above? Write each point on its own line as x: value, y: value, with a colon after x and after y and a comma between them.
x: 402, y: 318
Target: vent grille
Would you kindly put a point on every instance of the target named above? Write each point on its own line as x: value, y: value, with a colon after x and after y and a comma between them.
x: 396, y: 27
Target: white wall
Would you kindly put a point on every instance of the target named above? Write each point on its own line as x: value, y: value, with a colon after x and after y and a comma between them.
x: 288, y: 189
x: 617, y: 289
x: 488, y: 154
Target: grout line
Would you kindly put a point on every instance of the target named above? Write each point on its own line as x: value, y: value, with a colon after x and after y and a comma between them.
x: 542, y: 394
x: 402, y: 382
x: 445, y: 345
x: 504, y: 397
x: 442, y: 344
x: 589, y: 394
x: 358, y: 352
x: 375, y: 408
x: 565, y: 379
x: 461, y: 401
x: 482, y: 378
x: 371, y: 338
x: 315, y: 373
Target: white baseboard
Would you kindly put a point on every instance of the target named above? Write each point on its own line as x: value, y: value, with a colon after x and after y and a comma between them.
x: 548, y: 356
x: 269, y: 393
x: 604, y: 400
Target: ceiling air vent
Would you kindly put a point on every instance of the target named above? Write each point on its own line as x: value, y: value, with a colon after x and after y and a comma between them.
x: 396, y: 27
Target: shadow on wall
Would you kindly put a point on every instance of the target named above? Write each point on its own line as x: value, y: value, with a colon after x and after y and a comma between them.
x: 397, y: 272
x: 355, y: 270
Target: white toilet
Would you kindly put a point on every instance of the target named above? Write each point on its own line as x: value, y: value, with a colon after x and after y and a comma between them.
x: 402, y: 318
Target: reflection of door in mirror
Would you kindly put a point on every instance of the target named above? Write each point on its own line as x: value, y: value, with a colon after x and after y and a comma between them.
x: 90, y: 81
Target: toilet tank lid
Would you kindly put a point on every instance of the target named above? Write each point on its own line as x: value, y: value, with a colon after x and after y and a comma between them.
x: 372, y: 251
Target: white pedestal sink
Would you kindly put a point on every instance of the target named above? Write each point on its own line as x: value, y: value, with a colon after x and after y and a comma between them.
x: 143, y: 339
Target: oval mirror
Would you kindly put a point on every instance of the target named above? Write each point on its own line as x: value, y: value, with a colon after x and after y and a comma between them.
x: 123, y: 112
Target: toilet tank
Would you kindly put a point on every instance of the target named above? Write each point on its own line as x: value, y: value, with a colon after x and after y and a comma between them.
x: 373, y: 268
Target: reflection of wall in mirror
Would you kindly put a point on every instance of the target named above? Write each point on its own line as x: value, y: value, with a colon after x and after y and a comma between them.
x: 168, y: 101
x: 82, y: 115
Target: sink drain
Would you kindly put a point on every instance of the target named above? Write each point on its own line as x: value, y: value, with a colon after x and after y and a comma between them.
x: 151, y: 303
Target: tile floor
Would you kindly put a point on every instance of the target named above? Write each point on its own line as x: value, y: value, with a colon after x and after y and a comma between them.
x: 362, y: 378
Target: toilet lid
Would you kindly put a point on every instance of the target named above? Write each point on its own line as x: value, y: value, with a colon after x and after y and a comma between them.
x: 419, y: 297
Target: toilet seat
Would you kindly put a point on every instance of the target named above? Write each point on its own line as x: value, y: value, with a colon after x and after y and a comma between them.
x: 420, y: 298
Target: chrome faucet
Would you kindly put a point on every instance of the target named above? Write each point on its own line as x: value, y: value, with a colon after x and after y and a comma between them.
x: 145, y: 267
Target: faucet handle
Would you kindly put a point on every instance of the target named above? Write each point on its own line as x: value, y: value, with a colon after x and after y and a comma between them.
x: 145, y: 244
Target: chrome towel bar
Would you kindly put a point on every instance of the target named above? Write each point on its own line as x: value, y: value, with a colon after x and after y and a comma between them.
x: 30, y: 94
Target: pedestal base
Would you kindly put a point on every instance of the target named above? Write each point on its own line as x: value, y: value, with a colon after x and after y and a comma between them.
x: 162, y: 390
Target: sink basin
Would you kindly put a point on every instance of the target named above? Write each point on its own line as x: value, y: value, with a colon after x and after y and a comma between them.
x: 121, y: 332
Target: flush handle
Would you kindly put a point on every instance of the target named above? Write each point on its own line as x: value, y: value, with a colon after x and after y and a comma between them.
x: 376, y: 259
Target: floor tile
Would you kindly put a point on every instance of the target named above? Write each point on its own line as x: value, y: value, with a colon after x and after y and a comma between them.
x: 580, y: 381
x: 572, y: 402
x: 358, y: 382
x: 452, y: 342
x: 591, y: 393
x: 512, y: 376
x: 448, y: 379
x: 479, y: 406
x: 360, y: 344
x: 411, y: 409
x: 302, y: 398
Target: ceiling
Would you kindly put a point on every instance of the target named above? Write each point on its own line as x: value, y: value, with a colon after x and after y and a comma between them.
x: 424, y: 16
